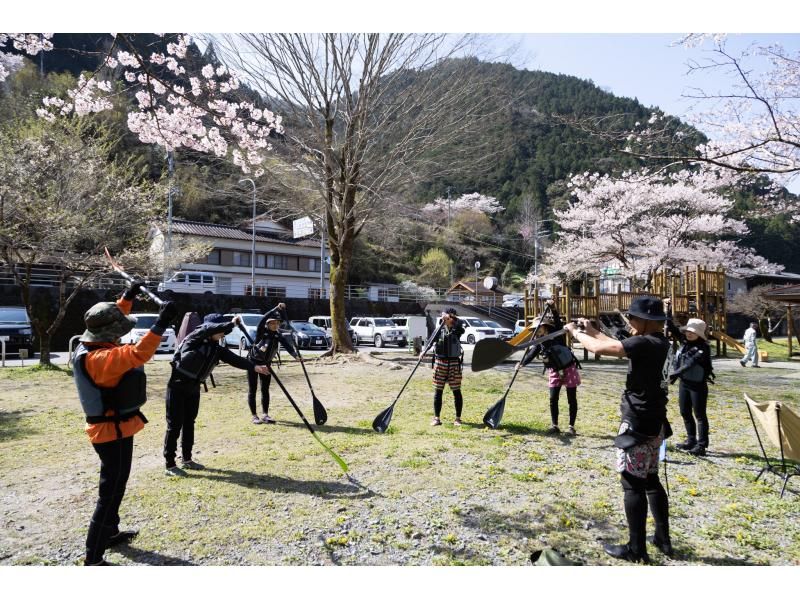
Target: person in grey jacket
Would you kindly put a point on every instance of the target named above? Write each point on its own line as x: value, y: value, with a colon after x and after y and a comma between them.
x: 692, y: 366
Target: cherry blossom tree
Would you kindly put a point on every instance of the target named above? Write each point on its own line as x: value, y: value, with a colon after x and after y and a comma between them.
x: 61, y: 201
x: 644, y: 221
x: 441, y: 207
x: 174, y: 107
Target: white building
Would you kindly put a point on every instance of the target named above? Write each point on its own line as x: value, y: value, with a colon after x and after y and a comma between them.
x: 284, y: 267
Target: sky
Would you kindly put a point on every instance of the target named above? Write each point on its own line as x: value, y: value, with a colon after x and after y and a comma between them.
x: 642, y: 66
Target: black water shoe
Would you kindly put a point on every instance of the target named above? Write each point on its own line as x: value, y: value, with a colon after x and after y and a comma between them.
x: 624, y: 552
x: 665, y: 546
x: 122, y: 538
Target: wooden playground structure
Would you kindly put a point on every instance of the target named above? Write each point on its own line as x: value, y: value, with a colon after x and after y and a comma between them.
x: 694, y: 292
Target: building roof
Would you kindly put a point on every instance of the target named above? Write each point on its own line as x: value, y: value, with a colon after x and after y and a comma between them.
x: 471, y: 288
x: 787, y: 294
x: 222, y: 231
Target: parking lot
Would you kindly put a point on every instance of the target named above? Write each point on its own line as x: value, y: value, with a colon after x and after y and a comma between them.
x: 61, y: 357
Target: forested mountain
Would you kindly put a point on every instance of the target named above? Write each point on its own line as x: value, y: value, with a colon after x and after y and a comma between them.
x: 531, y: 151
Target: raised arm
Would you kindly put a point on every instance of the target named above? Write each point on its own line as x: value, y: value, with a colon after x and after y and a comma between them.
x: 595, y: 341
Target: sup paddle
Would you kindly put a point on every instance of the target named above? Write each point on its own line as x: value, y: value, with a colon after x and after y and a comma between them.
x: 381, y: 421
x: 118, y: 269
x: 320, y: 414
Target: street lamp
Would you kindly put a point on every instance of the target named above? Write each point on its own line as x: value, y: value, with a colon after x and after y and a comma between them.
x: 477, y: 265
x: 253, y: 247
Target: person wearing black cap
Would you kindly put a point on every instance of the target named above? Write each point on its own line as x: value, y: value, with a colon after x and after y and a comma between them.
x: 112, y: 388
x: 194, y: 359
x: 643, y: 427
x: 262, y: 352
x: 447, y: 365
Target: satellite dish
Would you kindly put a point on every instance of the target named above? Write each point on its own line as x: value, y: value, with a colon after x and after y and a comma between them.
x: 490, y: 282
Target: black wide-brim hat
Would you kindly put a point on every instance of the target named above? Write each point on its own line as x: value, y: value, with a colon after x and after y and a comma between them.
x: 647, y: 308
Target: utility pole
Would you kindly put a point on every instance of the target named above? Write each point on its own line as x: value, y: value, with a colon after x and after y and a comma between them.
x: 477, y: 265
x: 168, y: 245
x: 323, y: 222
x: 449, y: 263
x: 253, y: 245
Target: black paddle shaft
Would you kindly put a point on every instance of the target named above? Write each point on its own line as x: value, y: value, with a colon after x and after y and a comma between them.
x: 427, y: 348
x: 118, y: 269
x: 320, y: 414
x: 291, y: 400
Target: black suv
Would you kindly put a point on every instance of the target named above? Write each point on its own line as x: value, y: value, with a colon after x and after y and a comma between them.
x: 16, y: 327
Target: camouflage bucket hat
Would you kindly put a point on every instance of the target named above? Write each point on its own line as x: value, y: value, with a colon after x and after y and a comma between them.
x: 105, y: 323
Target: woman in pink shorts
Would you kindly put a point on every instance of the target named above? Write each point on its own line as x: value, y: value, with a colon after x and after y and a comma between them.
x: 569, y: 377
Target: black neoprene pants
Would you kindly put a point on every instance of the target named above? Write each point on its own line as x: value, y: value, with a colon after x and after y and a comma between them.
x: 572, y: 400
x: 638, y: 493
x: 115, y: 467
x: 693, y: 398
x: 437, y: 401
x: 252, y: 383
x: 183, y: 405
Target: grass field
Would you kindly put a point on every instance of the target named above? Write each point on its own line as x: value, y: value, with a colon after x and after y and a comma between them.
x: 417, y: 495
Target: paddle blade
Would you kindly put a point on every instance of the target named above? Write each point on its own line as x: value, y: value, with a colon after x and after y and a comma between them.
x: 494, y: 414
x: 490, y: 352
x: 320, y: 415
x: 382, y: 420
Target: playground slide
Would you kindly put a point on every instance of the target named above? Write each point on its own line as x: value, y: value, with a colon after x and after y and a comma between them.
x: 728, y: 340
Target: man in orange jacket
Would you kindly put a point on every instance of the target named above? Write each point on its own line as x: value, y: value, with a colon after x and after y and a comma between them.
x: 111, y: 388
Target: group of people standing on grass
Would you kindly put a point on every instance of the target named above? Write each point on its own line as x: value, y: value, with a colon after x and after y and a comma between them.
x: 643, y: 405
x: 111, y: 387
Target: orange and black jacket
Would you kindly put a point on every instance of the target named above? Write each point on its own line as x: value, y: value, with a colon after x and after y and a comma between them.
x: 106, y: 364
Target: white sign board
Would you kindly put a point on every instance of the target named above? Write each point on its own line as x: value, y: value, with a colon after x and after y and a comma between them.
x: 5, y: 338
x: 302, y: 227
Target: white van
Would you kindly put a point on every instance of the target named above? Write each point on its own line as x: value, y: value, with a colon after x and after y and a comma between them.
x: 414, y: 325
x: 324, y: 322
x: 474, y: 330
x: 190, y: 281
x: 142, y: 327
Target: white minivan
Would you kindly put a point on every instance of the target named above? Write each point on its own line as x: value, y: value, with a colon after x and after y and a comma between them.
x: 475, y: 330
x: 190, y: 281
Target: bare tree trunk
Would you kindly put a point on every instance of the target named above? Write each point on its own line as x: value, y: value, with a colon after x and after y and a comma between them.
x: 44, y: 349
x: 342, y: 342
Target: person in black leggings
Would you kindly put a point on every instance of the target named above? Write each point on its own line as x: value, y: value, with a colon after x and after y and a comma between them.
x: 570, y: 378
x: 643, y: 425
x: 264, y: 349
x: 692, y: 366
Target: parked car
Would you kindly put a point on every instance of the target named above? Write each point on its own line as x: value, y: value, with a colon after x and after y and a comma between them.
x: 379, y: 331
x: 142, y: 327
x: 15, y: 324
x: 189, y: 281
x: 519, y: 326
x: 324, y: 322
x: 502, y: 332
x: 414, y: 326
x: 513, y: 301
x: 236, y: 338
x: 308, y: 336
x: 474, y: 330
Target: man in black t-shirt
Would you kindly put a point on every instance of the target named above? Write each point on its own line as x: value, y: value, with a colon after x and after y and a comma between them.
x: 643, y: 411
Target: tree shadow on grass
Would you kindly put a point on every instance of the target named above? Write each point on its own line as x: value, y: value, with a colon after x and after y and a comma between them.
x: 148, y: 557
x: 15, y: 425
x: 323, y: 489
